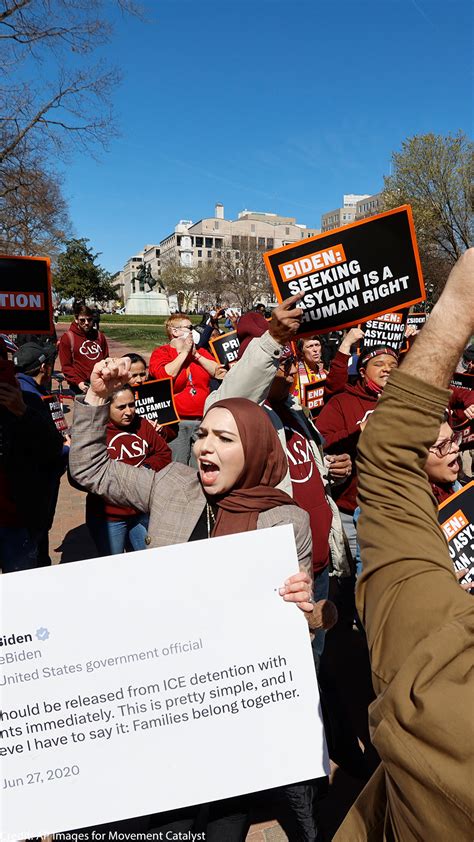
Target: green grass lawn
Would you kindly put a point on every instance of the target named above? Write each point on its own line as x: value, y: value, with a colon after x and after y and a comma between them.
x: 135, y: 337
x: 132, y: 320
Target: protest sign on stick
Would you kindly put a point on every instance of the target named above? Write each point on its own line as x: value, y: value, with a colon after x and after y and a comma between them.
x: 313, y: 395
x: 155, y: 400
x: 351, y: 274
x: 25, y: 295
x: 388, y: 329
x: 226, y: 348
x: 116, y: 703
x: 456, y: 518
x: 57, y: 412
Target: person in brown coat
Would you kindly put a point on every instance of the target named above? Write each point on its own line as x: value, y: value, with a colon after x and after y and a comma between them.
x: 419, y: 622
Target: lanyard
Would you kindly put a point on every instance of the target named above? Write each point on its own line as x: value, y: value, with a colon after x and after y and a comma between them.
x: 190, y: 381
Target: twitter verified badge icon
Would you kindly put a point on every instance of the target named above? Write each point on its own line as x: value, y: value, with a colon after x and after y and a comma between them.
x: 42, y: 633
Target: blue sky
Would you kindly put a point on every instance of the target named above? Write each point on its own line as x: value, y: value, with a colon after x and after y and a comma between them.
x: 267, y: 105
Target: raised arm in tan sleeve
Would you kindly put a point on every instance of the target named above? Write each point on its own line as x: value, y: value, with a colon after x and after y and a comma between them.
x: 407, y: 590
x: 90, y: 466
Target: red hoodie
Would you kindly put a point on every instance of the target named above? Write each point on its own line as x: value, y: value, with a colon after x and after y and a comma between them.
x: 136, y: 445
x: 77, y: 362
x: 339, y: 424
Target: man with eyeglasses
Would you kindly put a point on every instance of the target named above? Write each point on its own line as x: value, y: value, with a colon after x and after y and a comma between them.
x: 191, y: 370
x: 419, y: 622
x: 80, y: 348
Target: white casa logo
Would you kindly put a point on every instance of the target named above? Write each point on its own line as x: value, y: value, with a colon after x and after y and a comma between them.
x: 90, y: 349
x: 366, y: 417
x: 128, y: 447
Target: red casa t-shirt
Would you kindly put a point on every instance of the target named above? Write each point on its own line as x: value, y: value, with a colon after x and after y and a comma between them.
x: 308, y: 489
x: 191, y: 386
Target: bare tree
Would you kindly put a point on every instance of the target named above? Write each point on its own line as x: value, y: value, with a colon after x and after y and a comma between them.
x: 33, y: 212
x: 51, y: 95
x: 179, y: 280
x: 243, y: 275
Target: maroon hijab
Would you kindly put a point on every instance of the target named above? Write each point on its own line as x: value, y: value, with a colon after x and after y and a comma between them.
x: 265, y: 467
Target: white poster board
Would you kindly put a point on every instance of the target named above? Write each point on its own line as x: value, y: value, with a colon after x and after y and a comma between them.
x: 149, y: 681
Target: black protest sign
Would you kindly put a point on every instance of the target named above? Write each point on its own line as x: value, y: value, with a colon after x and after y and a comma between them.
x: 351, y: 274
x: 57, y: 412
x: 226, y: 348
x: 456, y: 518
x: 155, y: 400
x: 462, y: 380
x: 25, y: 295
x: 388, y: 329
x: 313, y: 395
x: 416, y: 320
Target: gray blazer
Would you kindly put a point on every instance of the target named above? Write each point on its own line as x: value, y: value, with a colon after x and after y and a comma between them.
x: 173, y: 496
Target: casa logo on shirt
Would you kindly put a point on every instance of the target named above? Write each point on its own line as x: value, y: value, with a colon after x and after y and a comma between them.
x: 300, y: 456
x: 129, y: 448
x: 90, y: 349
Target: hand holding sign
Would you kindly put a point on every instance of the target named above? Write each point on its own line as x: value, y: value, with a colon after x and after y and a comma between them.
x: 106, y: 376
x: 286, y: 319
x: 355, y: 334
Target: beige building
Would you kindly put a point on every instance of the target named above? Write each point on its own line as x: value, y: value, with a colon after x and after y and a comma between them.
x: 194, y: 243
x: 369, y: 206
x: 355, y: 207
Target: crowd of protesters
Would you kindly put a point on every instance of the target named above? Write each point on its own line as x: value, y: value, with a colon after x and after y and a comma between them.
x: 247, y: 454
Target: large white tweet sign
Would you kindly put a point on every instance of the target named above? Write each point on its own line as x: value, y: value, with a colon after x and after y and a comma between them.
x: 145, y: 682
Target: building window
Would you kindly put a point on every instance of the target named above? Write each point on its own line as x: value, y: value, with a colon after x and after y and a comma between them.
x: 216, y: 225
x: 218, y: 243
x: 270, y: 242
x: 252, y: 229
x: 209, y: 253
x: 261, y: 242
x: 199, y: 242
x: 199, y: 252
x: 235, y: 242
x: 209, y: 242
x: 157, y: 252
x: 287, y: 231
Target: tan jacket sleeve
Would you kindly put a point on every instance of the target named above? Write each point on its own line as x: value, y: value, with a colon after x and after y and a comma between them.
x: 90, y: 466
x: 253, y: 375
x: 408, y: 589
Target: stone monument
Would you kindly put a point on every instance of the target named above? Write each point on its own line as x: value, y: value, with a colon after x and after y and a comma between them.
x: 143, y: 301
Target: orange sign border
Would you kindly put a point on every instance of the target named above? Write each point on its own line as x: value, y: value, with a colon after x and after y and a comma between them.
x: 160, y: 380
x: 46, y: 260
x: 456, y: 494
x: 367, y: 220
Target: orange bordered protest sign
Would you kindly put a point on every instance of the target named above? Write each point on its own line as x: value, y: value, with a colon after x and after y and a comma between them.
x: 313, y: 395
x: 25, y: 295
x: 351, y: 274
x: 154, y: 400
x: 57, y: 413
x: 456, y: 519
x: 226, y: 348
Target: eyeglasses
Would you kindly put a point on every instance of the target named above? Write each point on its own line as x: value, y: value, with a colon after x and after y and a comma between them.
x: 82, y: 320
x: 287, y: 363
x: 444, y: 447
x: 183, y: 327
